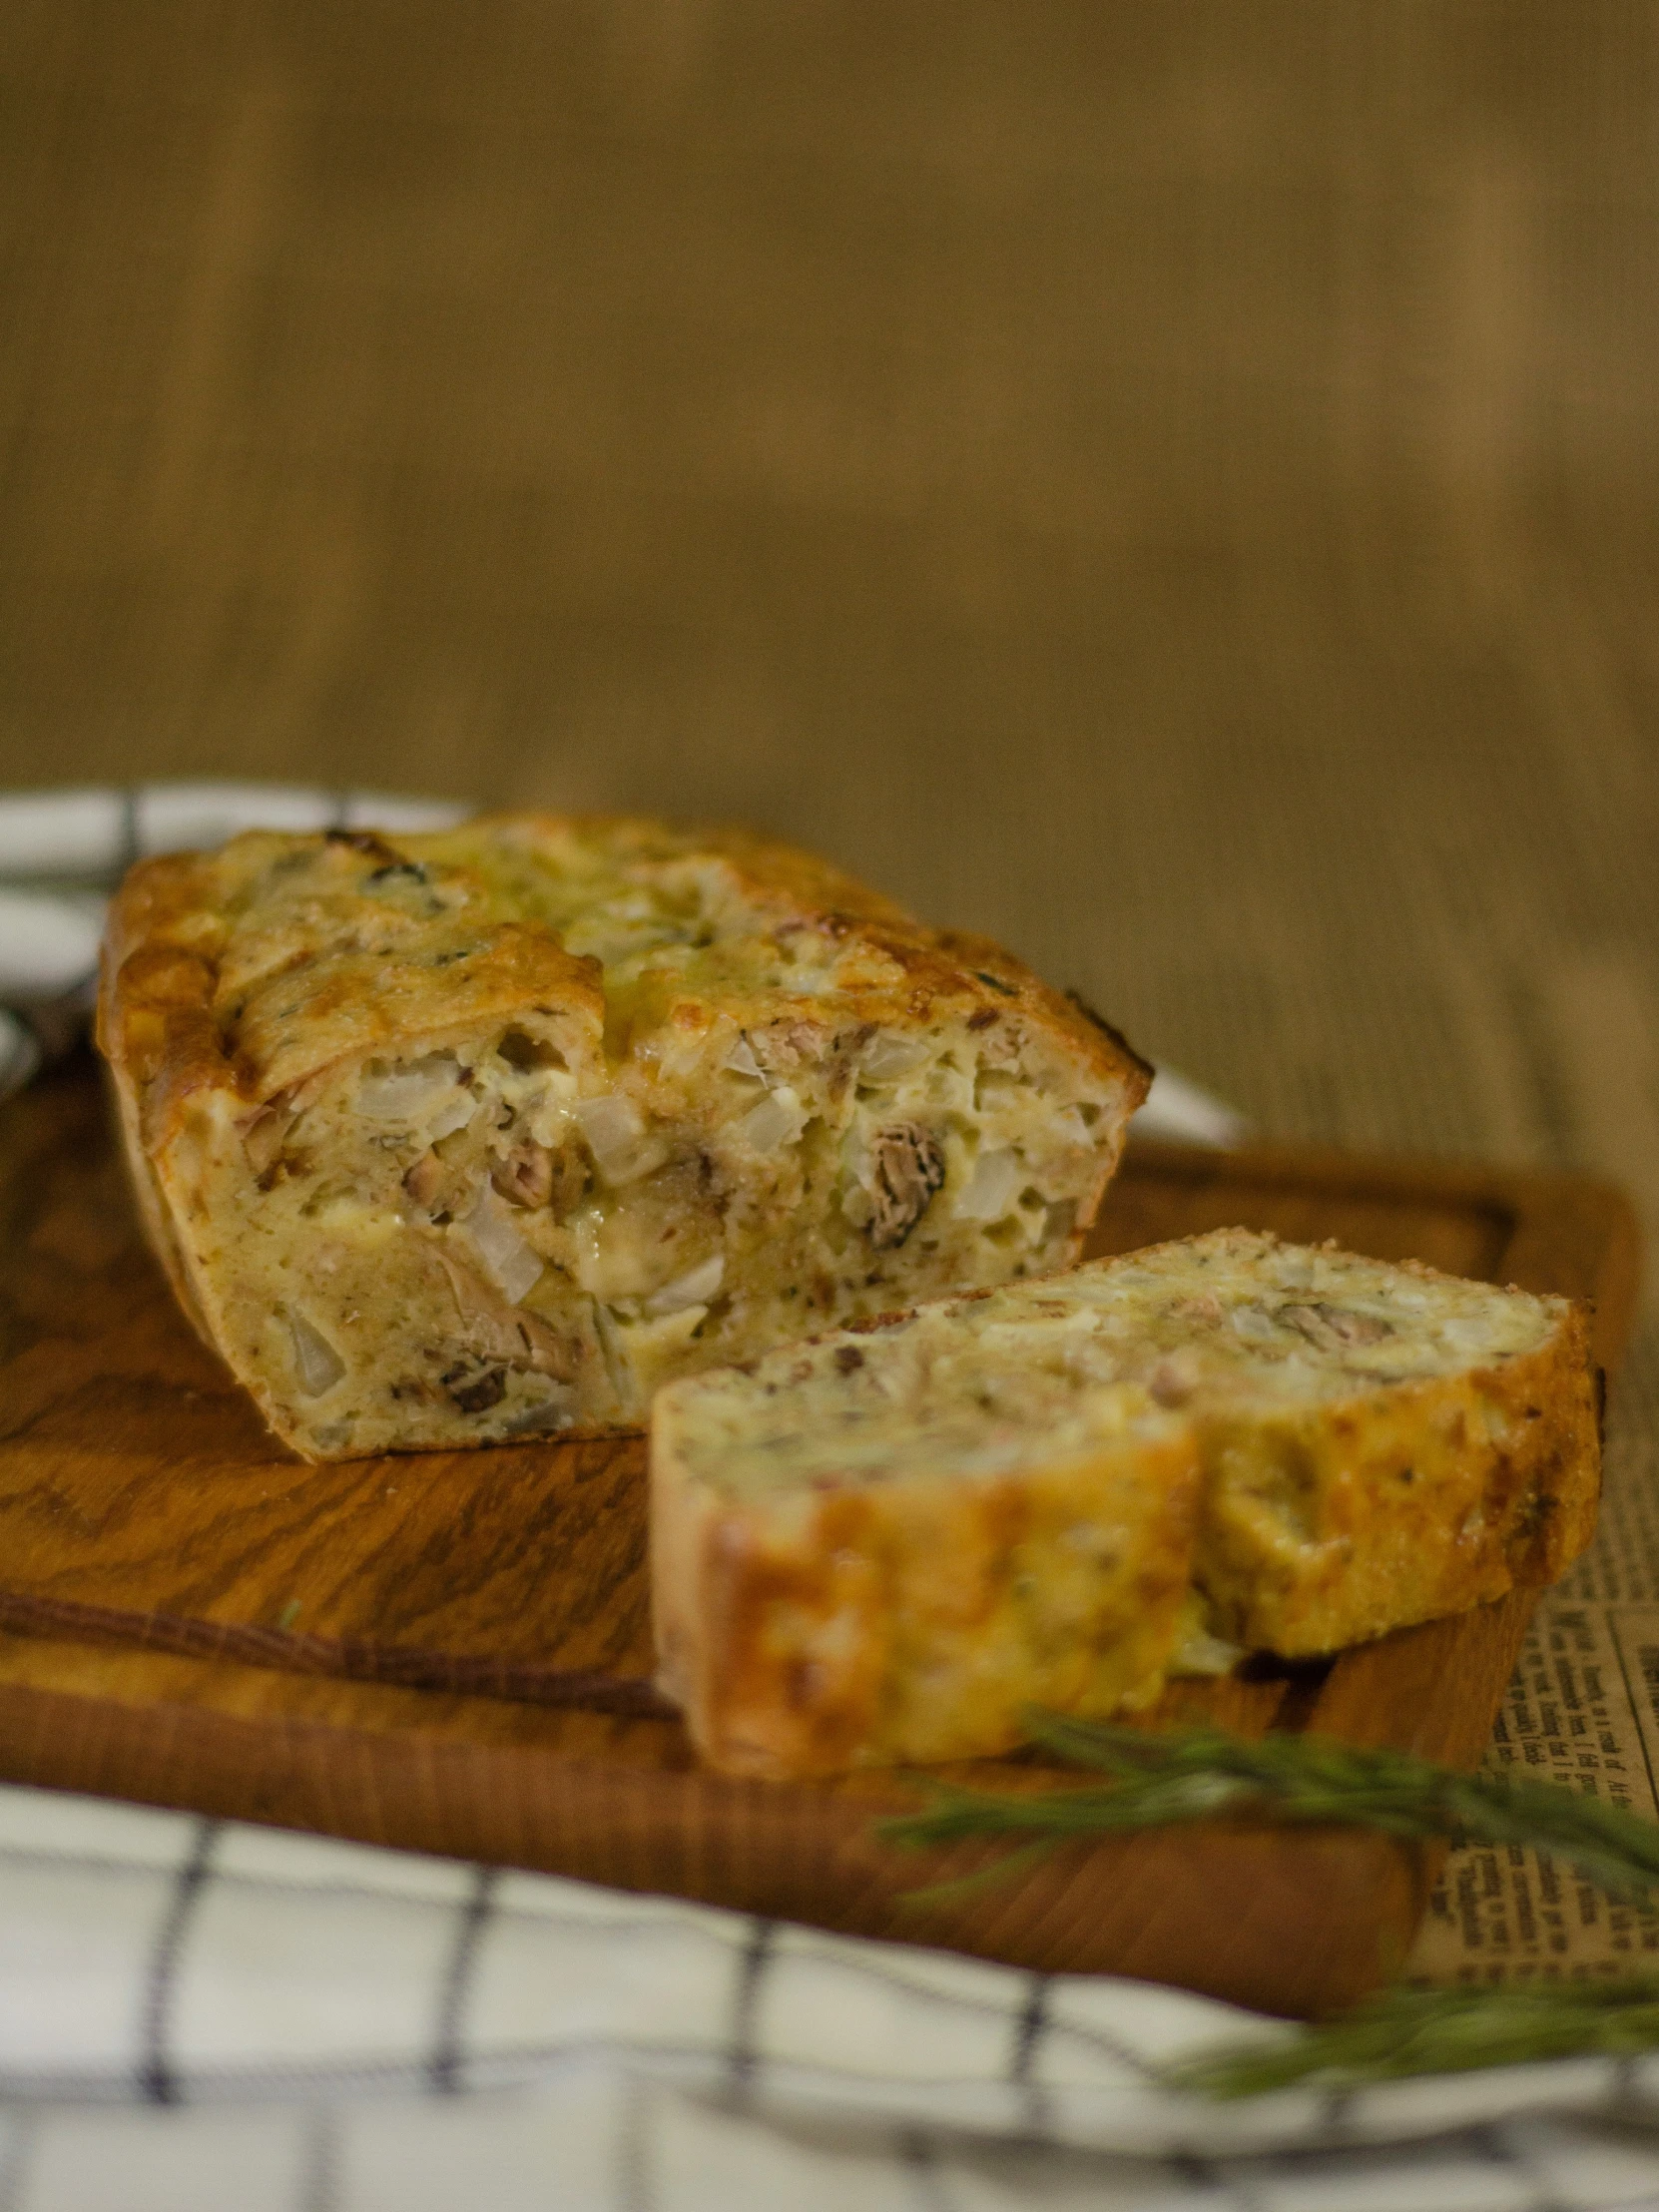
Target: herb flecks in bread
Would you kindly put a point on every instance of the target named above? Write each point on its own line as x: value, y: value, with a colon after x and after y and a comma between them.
x: 884, y: 1545
x: 460, y: 1138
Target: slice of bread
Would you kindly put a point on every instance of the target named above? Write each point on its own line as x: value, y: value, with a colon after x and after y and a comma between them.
x: 460, y: 1138
x: 884, y: 1547
x: 882, y: 1544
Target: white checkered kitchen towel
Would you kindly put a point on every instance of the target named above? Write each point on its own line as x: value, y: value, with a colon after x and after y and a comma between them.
x: 205, y: 2014
x: 202, y: 2015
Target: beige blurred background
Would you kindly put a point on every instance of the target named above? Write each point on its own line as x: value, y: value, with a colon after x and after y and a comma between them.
x: 1171, y: 485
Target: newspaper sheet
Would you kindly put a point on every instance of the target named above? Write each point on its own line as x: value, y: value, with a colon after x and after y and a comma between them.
x: 1582, y: 1711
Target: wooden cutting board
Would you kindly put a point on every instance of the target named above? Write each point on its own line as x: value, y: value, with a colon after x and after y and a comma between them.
x: 452, y: 1651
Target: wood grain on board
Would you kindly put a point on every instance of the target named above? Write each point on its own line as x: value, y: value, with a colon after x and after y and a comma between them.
x: 452, y: 1651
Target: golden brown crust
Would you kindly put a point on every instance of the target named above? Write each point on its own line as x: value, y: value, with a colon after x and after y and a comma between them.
x: 799, y: 883
x: 154, y: 1005
x: 939, y: 968
x: 165, y: 1027
x: 919, y: 1622
x: 1328, y: 1526
x: 169, y: 1027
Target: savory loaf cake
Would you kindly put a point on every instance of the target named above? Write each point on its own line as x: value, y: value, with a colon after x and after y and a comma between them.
x: 879, y: 1544
x: 481, y: 1134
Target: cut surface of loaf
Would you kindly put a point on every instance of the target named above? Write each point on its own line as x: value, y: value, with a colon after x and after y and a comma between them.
x: 881, y: 1545
x: 455, y: 1138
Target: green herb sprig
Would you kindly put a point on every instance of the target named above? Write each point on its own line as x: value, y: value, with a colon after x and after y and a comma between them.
x: 1428, y: 2031
x: 1204, y: 1772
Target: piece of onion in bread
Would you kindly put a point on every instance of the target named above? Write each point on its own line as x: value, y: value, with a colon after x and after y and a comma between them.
x: 481, y: 1135
x: 881, y: 1545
